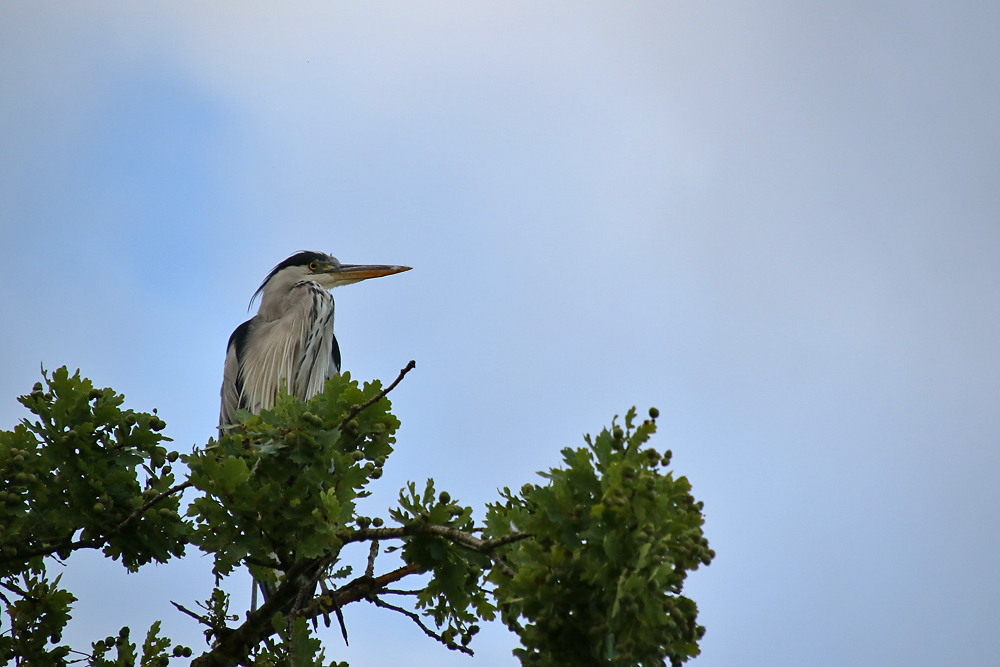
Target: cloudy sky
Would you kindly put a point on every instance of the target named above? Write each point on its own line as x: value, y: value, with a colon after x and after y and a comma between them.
x: 778, y: 222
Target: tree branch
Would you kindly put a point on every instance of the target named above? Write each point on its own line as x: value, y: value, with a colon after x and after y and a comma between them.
x: 427, y: 631
x: 467, y: 540
x: 200, y: 619
x: 234, y: 645
x: 356, y: 409
x: 372, y: 554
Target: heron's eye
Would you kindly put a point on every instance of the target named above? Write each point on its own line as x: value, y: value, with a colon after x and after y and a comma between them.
x: 313, y: 266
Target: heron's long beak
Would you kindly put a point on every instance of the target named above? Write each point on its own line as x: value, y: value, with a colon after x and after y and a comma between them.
x: 345, y: 274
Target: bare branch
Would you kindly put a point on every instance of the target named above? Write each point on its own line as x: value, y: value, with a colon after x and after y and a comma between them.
x: 427, y: 631
x: 372, y: 554
x: 200, y: 619
x: 460, y: 537
x: 14, y: 588
x: 355, y: 409
x: 134, y: 516
x: 273, y: 564
x: 506, y: 569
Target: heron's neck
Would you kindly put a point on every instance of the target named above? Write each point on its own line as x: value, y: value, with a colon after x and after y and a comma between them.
x: 279, y: 298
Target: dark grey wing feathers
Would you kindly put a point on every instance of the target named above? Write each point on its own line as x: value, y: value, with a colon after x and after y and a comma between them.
x: 232, y: 380
x: 334, y: 357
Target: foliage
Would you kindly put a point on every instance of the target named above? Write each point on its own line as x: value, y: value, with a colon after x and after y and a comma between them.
x: 613, y: 540
x: 586, y: 568
x: 455, y: 596
x: 76, y: 469
x: 71, y: 480
x: 298, y: 462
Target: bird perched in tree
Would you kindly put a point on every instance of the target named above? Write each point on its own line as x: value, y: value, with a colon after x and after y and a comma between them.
x: 291, y: 336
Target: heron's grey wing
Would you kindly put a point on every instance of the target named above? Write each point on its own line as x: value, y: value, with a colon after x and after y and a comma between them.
x: 232, y: 382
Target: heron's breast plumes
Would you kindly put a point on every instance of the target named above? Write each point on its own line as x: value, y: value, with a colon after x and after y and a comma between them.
x: 297, y: 348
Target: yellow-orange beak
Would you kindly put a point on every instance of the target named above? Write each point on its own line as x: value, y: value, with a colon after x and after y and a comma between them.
x: 345, y: 274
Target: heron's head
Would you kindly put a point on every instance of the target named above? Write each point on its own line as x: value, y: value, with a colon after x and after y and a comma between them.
x: 323, y: 269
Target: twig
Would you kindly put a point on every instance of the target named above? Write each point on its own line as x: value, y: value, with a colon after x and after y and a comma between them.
x: 14, y: 588
x: 355, y: 409
x: 427, y: 631
x: 142, y: 510
x: 273, y: 565
x: 363, y: 587
x: 467, y: 540
x: 506, y: 569
x: 200, y: 619
x: 372, y: 553
x: 462, y: 538
x: 310, y: 584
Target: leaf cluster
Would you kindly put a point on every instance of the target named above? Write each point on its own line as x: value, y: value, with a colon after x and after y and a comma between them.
x: 455, y: 597
x: 614, y: 538
x: 82, y: 474
x: 86, y: 466
x: 283, y: 487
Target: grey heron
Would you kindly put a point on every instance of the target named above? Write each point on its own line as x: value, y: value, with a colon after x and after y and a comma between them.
x: 291, y: 336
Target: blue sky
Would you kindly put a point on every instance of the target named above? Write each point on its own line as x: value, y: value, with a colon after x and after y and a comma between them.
x: 777, y: 222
